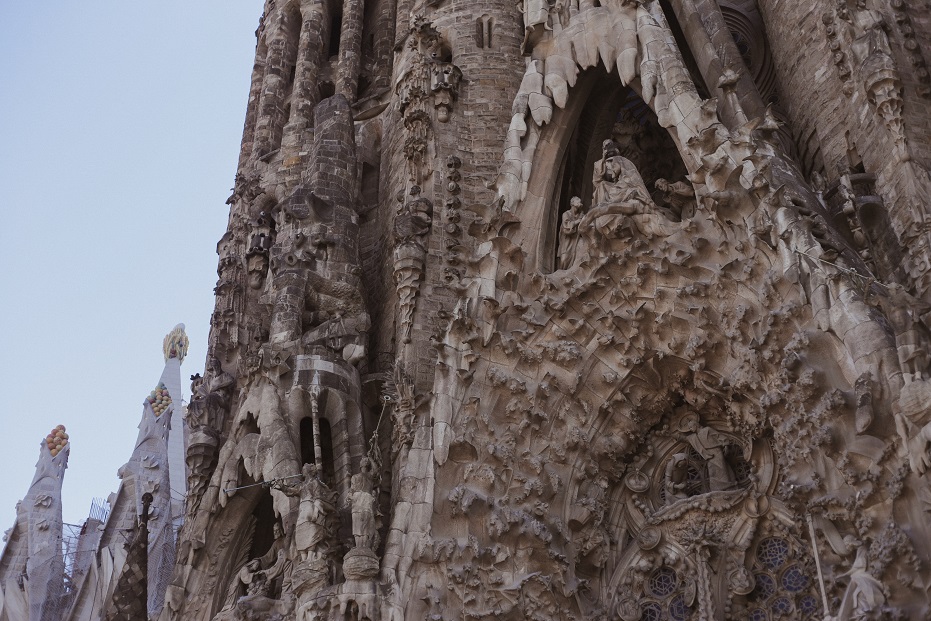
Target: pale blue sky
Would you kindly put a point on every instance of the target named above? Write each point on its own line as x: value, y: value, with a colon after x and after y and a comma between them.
x: 120, y: 124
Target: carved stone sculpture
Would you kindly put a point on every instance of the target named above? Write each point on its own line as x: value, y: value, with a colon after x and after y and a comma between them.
x: 709, y: 444
x: 426, y: 72
x: 363, y: 511
x: 621, y: 204
x: 678, y: 197
x: 864, y: 592
x: 874, y: 65
x: 411, y: 228
x: 210, y: 397
x: 569, y: 233
x: 252, y: 594
x: 618, y: 185
x: 313, y: 534
x: 616, y: 339
x: 676, y: 474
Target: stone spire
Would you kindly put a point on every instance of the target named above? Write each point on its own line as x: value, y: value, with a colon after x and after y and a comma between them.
x: 34, y: 585
x: 175, y: 348
x: 149, y: 470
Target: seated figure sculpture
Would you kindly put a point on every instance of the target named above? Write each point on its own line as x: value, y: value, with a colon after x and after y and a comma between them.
x: 621, y: 204
x: 251, y: 595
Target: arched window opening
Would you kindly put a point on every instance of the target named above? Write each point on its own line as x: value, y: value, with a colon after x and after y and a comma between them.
x: 326, y: 450
x: 326, y: 88
x: 483, y: 32
x: 352, y: 613
x: 287, y: 108
x: 665, y: 597
x: 307, y: 440
x: 336, y: 25
x: 367, y: 68
x: 783, y: 583
x: 249, y: 425
x: 365, y: 82
x: 369, y: 183
x: 614, y: 112
x: 293, y: 25
x: 859, y: 213
x: 808, y: 148
x: 309, y: 446
x: 746, y: 29
x: 264, y: 535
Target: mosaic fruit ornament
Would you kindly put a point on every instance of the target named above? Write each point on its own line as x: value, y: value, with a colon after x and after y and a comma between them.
x: 56, y: 440
x: 159, y: 399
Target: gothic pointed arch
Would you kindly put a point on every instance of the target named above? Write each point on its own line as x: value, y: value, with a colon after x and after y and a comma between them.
x: 601, y: 109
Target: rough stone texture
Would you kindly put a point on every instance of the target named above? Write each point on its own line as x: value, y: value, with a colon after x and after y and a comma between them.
x: 31, y: 565
x: 148, y: 471
x: 715, y: 408
x: 591, y: 310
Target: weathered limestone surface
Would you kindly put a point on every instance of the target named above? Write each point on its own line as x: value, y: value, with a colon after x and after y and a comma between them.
x: 31, y: 565
x: 594, y: 310
x: 145, y: 489
x: 612, y: 309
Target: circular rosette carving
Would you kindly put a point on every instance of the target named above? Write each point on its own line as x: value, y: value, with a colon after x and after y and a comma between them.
x: 637, y: 481
x: 649, y: 538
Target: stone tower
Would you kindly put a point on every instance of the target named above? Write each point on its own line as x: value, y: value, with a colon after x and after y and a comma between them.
x: 127, y: 563
x: 588, y: 309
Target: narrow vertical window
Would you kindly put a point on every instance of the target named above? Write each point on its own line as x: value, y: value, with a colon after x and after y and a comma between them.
x: 483, y: 31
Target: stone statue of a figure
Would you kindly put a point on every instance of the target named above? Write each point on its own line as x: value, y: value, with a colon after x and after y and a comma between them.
x: 676, y: 475
x: 210, y: 396
x: 254, y: 581
x: 252, y: 596
x: 709, y: 444
x: 569, y: 233
x: 864, y: 592
x: 619, y: 188
x: 678, y: 197
x: 620, y: 200
x: 362, y: 501
x: 318, y: 504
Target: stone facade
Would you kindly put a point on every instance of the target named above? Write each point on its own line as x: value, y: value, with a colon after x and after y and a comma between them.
x: 594, y: 310
x: 587, y: 309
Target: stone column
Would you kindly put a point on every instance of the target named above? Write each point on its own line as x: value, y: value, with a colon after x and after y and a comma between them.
x: 282, y: 50
x: 384, y: 44
x: 708, y: 36
x: 350, y: 49
x: 333, y: 172
x: 255, y: 92
x: 310, y: 56
x: 289, y: 305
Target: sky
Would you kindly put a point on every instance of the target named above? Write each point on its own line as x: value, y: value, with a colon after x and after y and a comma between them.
x: 120, y: 124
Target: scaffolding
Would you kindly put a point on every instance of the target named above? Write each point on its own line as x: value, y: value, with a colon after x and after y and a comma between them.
x: 70, y: 539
